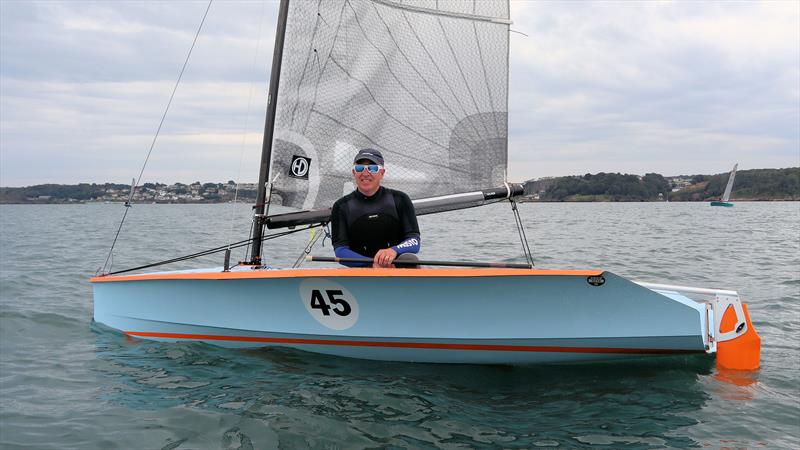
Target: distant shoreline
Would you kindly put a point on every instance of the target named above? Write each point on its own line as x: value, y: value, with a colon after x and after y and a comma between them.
x: 247, y: 201
x: 755, y: 185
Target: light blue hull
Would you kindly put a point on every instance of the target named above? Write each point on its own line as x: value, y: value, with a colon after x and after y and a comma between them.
x: 477, y: 318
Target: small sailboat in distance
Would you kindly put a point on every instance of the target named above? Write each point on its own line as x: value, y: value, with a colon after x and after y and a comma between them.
x: 727, y: 195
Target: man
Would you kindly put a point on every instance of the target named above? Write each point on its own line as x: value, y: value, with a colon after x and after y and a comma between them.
x: 373, y: 221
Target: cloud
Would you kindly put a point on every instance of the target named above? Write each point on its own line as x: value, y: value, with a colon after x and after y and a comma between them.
x: 673, y: 87
x: 84, y: 85
x: 668, y: 87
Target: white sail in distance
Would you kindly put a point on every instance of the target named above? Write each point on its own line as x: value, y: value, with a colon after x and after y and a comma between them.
x: 727, y: 195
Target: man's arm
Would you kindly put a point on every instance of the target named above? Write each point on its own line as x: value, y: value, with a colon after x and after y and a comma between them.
x: 341, y: 242
x: 411, y: 238
x: 339, y: 236
x: 385, y: 257
x: 410, y: 245
x: 346, y: 252
x: 408, y: 220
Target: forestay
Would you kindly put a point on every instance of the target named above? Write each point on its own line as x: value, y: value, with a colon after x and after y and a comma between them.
x: 425, y: 82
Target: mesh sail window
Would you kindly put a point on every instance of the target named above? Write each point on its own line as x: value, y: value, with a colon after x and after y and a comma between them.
x: 423, y: 81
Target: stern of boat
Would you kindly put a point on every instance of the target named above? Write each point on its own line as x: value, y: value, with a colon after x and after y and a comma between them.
x: 729, y: 331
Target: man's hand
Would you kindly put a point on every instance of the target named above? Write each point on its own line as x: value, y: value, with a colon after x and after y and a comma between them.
x: 384, y: 258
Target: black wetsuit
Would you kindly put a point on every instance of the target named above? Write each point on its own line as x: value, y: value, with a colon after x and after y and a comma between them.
x: 368, y: 224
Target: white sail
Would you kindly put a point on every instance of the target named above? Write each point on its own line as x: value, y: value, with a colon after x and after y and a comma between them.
x: 424, y: 82
x: 729, y: 187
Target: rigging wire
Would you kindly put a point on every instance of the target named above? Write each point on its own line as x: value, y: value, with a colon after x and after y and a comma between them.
x: 158, y: 130
x: 310, y: 246
x: 211, y: 251
x: 521, y: 230
x: 246, y: 124
x: 247, y: 249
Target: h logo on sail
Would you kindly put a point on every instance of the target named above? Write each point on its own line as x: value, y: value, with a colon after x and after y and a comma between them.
x: 299, y: 167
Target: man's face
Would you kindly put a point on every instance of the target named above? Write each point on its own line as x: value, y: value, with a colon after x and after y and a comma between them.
x: 368, y: 182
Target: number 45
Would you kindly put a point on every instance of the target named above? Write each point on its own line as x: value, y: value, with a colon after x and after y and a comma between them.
x: 318, y: 302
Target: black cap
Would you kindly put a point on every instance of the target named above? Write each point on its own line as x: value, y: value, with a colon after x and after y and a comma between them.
x: 370, y: 154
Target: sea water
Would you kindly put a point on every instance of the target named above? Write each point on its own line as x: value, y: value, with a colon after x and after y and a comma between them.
x: 66, y: 382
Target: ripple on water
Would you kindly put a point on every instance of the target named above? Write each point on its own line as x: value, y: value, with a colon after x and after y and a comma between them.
x: 69, y: 383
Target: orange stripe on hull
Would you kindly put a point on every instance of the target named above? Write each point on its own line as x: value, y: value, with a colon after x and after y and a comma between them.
x: 346, y: 272
x: 418, y: 345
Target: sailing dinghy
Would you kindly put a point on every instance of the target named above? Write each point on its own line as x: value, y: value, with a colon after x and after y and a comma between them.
x: 728, y: 188
x: 427, y: 84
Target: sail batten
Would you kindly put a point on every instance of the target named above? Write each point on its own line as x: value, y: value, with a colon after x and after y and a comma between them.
x: 426, y: 83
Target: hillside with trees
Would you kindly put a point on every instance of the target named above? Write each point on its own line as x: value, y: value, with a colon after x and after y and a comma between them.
x: 117, y: 193
x: 613, y: 187
x: 58, y: 193
x: 755, y: 184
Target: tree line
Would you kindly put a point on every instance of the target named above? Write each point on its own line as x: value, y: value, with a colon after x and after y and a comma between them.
x: 755, y: 184
x: 615, y: 187
x: 87, y: 192
x: 80, y: 192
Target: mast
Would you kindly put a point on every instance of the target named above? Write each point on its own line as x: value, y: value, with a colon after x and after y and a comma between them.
x: 269, y: 128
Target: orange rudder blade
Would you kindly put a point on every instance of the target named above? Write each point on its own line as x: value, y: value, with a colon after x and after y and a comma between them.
x: 743, y: 352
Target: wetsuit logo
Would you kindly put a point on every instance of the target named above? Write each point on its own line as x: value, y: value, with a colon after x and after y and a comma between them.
x: 299, y: 167
x: 408, y: 243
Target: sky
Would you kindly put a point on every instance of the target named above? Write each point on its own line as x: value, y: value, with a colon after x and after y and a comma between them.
x: 676, y: 88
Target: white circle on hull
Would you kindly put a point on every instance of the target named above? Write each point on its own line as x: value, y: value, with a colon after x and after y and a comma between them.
x: 329, y: 303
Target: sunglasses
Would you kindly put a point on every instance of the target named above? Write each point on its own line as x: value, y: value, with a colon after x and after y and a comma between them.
x: 372, y: 168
